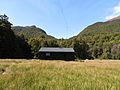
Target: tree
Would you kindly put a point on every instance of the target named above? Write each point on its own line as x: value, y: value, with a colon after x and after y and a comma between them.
x: 115, y: 51
x: 24, y: 47
x: 97, y: 52
x: 106, y: 53
x: 52, y: 43
x: 82, y: 50
x: 4, y: 17
x: 12, y: 46
x: 35, y: 45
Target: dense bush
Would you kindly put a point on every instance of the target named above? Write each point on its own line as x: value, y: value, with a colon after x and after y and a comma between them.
x: 12, y: 46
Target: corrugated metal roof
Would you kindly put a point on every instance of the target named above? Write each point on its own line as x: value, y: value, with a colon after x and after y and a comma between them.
x: 51, y: 49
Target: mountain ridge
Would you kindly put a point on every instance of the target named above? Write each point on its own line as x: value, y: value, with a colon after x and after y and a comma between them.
x: 112, y: 25
x: 30, y: 31
x: 108, y: 26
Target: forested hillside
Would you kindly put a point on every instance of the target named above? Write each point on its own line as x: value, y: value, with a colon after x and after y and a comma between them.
x: 103, y: 39
x: 30, y: 32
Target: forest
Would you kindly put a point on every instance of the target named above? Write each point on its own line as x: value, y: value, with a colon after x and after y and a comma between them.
x: 98, y: 41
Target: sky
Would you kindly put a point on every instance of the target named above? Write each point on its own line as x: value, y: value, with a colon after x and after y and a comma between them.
x: 59, y: 18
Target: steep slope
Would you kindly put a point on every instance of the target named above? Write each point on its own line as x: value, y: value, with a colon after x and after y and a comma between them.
x: 101, y: 27
x: 30, y: 31
x: 110, y: 27
x: 103, y: 38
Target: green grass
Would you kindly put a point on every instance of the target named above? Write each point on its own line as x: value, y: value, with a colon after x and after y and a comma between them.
x: 59, y: 75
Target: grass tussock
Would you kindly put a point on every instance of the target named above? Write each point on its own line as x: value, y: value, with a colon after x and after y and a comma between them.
x: 59, y: 75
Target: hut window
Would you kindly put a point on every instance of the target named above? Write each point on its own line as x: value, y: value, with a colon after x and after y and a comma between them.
x: 47, y: 54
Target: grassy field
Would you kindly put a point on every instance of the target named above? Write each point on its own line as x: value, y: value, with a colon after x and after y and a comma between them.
x: 59, y: 75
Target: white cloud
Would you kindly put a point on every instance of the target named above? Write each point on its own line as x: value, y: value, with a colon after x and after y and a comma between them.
x: 115, y: 12
x: 117, y: 9
x: 111, y: 17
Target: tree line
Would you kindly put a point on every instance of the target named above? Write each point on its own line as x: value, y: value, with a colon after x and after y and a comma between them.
x: 12, y: 46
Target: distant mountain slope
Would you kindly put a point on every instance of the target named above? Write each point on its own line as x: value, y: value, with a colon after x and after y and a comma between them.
x: 30, y: 31
x: 102, y: 37
x: 101, y: 27
x: 111, y: 26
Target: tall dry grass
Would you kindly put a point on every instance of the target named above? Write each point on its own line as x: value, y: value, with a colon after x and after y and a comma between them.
x: 59, y: 75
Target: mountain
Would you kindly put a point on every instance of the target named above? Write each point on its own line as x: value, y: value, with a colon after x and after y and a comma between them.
x: 103, y: 38
x: 30, y: 31
x: 99, y: 27
x: 111, y: 26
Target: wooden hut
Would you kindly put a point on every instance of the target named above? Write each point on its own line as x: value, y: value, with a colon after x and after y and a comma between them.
x: 56, y: 53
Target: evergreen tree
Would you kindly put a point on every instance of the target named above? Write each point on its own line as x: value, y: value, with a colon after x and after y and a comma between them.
x: 82, y: 50
x: 12, y: 46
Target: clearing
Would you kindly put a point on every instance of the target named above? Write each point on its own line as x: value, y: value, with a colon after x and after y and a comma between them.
x: 59, y: 75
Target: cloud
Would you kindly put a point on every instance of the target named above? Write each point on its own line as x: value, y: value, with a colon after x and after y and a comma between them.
x: 115, y: 12
x: 111, y: 17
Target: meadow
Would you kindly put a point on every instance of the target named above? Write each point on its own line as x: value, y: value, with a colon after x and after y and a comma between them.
x: 59, y: 75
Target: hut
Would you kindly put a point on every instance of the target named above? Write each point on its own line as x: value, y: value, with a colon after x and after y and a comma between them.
x: 56, y: 53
